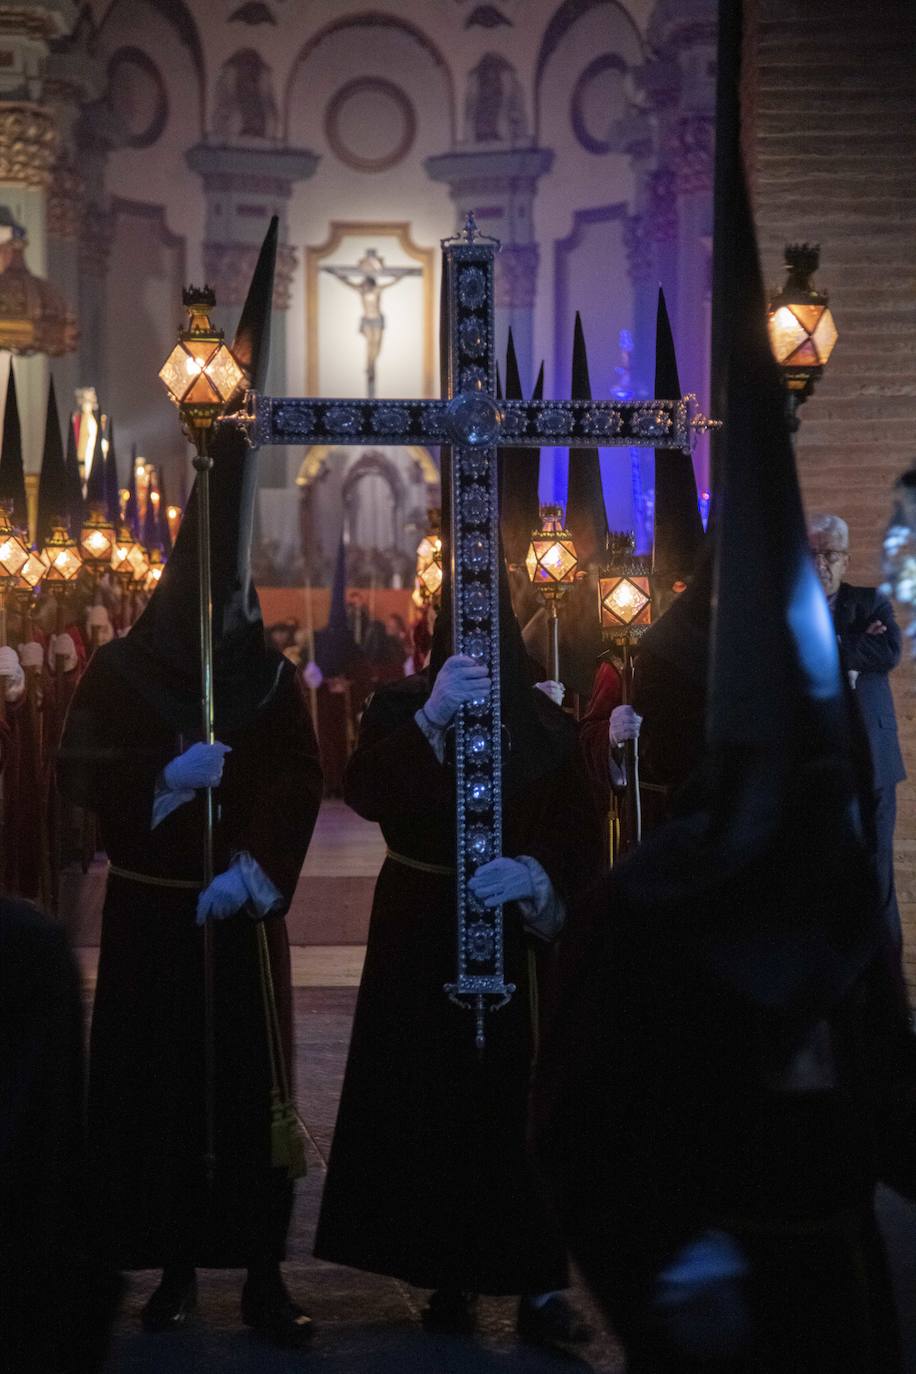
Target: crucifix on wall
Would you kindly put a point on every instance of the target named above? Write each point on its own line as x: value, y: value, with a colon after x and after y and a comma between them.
x: 472, y: 423
x: 369, y: 278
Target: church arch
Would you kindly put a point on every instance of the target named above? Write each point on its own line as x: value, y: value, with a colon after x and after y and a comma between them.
x: 368, y: 19
x: 569, y: 13
x: 179, y: 17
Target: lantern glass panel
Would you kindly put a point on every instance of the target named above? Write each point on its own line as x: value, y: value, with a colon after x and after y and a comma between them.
x: 431, y: 578
x: 32, y: 570
x: 174, y: 373
x: 224, y: 372
x: 13, y: 553
x: 550, y: 560
x: 201, y: 392
x: 624, y: 600
x: 825, y: 335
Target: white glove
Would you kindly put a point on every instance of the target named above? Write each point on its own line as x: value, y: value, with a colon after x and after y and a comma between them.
x: 852, y: 674
x: 11, y: 673
x: 199, y: 766
x: 226, y: 895
x: 31, y: 654
x: 460, y: 679
x: 313, y: 675
x: 62, y: 646
x: 623, y: 725
x: 502, y: 880
x: 555, y: 690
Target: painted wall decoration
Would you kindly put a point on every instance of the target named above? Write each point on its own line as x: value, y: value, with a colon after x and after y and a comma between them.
x: 370, y: 124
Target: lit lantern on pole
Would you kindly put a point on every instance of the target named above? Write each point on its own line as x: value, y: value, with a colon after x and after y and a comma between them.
x: 97, y: 541
x: 13, y: 556
x: 625, y: 604
x: 801, y: 326
x: 624, y: 591
x: 428, y: 583
x: 129, y: 566
x: 552, y: 563
x: 155, y: 568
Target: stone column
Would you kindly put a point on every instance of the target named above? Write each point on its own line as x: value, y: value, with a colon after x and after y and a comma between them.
x: 243, y: 187
x: 500, y: 186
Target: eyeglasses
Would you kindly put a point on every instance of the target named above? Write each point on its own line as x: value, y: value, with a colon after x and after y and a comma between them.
x: 829, y: 556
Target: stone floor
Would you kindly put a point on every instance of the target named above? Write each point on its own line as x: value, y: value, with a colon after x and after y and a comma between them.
x: 365, y: 1322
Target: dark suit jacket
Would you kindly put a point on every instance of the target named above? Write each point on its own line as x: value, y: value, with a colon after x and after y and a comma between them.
x: 873, y: 657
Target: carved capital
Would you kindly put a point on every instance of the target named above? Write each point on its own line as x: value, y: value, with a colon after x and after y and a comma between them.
x: 229, y: 267
x: 516, y: 276
x: 690, y: 151
x: 65, y: 201
x: 28, y: 143
x: 96, y: 236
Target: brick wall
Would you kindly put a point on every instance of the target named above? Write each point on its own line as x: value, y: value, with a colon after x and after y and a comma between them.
x: 831, y: 101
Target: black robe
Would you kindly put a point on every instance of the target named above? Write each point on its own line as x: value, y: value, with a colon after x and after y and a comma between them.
x: 146, y: 1088
x: 429, y: 1178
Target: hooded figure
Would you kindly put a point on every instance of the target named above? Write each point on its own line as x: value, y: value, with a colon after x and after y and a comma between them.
x: 112, y: 486
x: 53, y: 491
x: 75, y: 501
x: 129, y: 753
x: 429, y: 1179
x: 342, y: 679
x: 735, y: 1053
x: 678, y: 527
x: 12, y: 475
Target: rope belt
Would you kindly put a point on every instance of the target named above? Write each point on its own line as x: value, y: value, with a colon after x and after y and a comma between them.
x: 418, y: 864
x: 187, y: 884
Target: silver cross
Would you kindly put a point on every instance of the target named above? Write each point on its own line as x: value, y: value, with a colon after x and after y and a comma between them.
x: 473, y: 423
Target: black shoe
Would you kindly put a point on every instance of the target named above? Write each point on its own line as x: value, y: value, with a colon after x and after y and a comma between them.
x: 268, y: 1308
x: 554, y: 1323
x: 172, y: 1302
x: 450, y: 1310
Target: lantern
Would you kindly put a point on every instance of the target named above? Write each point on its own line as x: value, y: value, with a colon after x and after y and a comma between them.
x: 551, y: 564
x: 624, y: 591
x: 97, y: 540
x: 155, y: 568
x: 551, y: 560
x: 201, y: 374
x: 801, y: 326
x: 13, y: 552
x: 128, y: 559
x: 61, y: 557
x: 428, y: 583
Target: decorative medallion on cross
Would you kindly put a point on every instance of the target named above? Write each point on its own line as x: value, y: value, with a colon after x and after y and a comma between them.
x: 472, y: 423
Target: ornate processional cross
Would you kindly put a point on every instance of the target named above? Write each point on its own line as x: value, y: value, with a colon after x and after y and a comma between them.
x: 474, y: 423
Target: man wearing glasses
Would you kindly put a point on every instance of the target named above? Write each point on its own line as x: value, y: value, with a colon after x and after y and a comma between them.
x: 869, y: 640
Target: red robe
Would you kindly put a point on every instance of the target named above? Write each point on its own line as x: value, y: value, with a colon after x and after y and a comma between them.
x: 146, y: 1089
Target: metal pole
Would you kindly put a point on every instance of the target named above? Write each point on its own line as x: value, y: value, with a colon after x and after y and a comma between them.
x: 553, y: 640
x: 203, y: 463
x: 631, y: 755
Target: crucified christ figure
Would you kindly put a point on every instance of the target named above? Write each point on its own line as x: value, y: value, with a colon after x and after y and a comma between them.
x: 370, y: 277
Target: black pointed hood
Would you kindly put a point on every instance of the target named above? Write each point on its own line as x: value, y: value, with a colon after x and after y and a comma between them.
x: 132, y: 509
x: 336, y: 645
x: 518, y: 479
x: 12, y: 473
x: 52, y: 483
x: 112, y: 486
x: 769, y: 605
x: 76, y: 505
x: 678, y: 527
x: 165, y: 534
x: 96, y: 486
x: 585, y: 516
x: 161, y: 654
